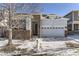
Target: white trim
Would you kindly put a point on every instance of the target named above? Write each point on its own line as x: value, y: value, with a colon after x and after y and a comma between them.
x: 72, y: 20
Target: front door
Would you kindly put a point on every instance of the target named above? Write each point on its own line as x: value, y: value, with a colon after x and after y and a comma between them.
x: 35, y: 28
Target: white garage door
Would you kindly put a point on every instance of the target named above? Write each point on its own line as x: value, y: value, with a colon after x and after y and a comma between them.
x: 50, y: 28
x: 52, y: 31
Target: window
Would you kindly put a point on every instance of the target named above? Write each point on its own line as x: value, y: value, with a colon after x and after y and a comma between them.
x: 42, y: 27
x: 50, y: 27
x: 56, y: 28
x: 61, y: 27
x: 46, y: 27
x: 53, y: 27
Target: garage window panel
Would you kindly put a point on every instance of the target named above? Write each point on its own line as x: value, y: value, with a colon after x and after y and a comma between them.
x: 53, y: 27
x: 50, y: 27
x: 42, y: 27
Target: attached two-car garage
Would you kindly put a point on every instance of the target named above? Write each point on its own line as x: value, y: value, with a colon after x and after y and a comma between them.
x: 53, y: 27
x: 49, y: 32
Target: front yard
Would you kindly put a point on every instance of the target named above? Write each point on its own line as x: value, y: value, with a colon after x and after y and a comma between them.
x: 49, y: 47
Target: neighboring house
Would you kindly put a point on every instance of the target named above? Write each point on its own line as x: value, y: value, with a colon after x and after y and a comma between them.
x: 26, y: 26
x: 73, y: 22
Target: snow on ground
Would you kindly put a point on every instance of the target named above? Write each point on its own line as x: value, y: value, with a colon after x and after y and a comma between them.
x: 50, y: 46
x: 68, y: 52
x: 26, y: 44
x: 3, y: 43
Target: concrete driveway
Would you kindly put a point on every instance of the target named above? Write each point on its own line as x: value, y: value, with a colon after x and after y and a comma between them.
x: 74, y: 37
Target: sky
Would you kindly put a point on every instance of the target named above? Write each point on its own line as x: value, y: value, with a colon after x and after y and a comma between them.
x: 59, y: 8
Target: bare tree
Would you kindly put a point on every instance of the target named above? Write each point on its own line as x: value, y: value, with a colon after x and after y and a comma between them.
x: 13, y: 8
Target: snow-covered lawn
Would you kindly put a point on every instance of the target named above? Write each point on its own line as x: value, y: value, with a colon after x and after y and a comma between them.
x: 50, y: 46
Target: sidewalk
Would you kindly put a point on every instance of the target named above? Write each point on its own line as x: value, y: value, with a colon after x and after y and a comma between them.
x: 74, y: 37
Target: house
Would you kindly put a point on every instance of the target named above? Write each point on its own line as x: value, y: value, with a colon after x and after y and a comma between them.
x: 26, y: 26
x: 42, y: 25
x: 73, y: 22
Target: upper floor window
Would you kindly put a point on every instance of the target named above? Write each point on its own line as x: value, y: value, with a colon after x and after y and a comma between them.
x: 44, y: 15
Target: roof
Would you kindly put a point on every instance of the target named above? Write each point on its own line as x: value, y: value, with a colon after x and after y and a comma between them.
x: 70, y: 12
